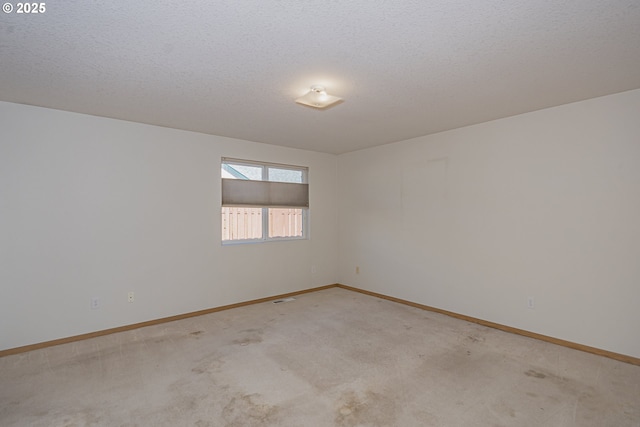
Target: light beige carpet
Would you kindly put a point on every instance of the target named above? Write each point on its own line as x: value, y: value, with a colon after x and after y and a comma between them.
x: 329, y: 358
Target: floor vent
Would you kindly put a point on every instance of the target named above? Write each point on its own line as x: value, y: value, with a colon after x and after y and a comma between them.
x: 278, y: 301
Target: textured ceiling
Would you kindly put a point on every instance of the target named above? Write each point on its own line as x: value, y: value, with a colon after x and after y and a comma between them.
x: 233, y: 68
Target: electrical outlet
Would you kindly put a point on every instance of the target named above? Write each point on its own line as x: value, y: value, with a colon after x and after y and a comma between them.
x: 130, y: 296
x: 313, y: 269
x: 95, y: 303
x: 357, y: 269
x: 531, y: 304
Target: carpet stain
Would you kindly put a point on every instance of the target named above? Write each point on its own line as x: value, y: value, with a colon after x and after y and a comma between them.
x: 249, y: 336
x: 296, y: 364
x: 246, y: 410
x: 475, y: 338
x: 370, y: 409
x: 504, y: 409
x: 210, y: 364
x: 535, y: 374
x: 590, y: 404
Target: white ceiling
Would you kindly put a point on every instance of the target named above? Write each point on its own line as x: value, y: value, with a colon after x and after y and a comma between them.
x: 233, y: 68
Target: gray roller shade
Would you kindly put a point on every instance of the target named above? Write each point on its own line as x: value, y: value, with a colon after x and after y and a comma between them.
x: 241, y: 192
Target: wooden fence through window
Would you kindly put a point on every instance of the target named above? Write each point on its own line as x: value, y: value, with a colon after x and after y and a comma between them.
x: 246, y: 223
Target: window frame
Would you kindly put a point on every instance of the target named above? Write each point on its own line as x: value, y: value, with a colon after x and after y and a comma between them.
x: 265, y: 166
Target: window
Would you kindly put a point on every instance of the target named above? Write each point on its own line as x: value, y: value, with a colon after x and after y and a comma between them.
x: 263, y: 201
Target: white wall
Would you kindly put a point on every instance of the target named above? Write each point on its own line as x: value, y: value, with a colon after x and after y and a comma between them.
x: 475, y: 220
x: 98, y: 207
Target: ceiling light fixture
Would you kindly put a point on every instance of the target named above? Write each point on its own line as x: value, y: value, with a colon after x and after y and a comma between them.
x: 317, y: 97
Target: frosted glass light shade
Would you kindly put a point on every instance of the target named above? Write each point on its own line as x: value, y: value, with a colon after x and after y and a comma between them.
x: 317, y: 97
